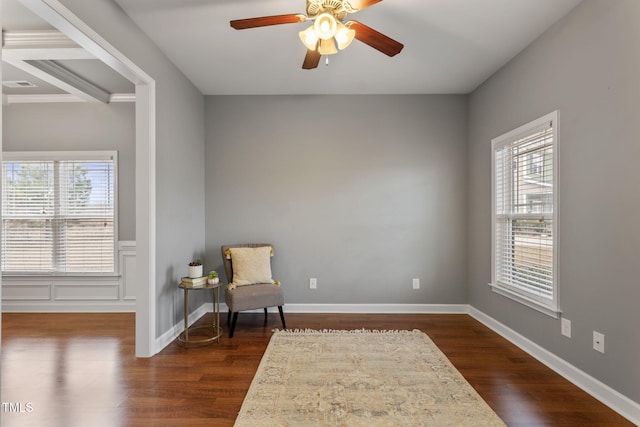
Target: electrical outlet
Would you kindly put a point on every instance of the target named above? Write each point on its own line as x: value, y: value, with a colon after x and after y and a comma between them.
x: 313, y: 283
x: 598, y: 341
x: 565, y: 327
x: 416, y: 283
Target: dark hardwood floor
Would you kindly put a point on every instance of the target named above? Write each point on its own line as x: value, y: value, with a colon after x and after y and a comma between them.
x: 71, y: 370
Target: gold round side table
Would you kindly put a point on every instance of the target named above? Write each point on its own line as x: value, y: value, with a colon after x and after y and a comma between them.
x: 214, y: 327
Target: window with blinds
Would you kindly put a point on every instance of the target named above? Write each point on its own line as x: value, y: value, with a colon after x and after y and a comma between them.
x: 59, y: 213
x: 524, y: 213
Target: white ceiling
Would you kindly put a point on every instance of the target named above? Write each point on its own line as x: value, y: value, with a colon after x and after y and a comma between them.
x: 451, y: 46
x: 15, y: 16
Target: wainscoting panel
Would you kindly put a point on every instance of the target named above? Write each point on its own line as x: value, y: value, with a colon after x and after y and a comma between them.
x: 86, y: 291
x: 75, y: 294
x: 27, y: 291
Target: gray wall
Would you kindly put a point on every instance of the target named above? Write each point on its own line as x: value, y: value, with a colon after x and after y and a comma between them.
x: 80, y: 126
x: 588, y: 67
x: 179, y: 153
x: 362, y: 192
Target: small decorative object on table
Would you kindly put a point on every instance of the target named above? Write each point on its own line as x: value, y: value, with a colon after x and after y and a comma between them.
x: 195, y: 269
x: 213, y: 278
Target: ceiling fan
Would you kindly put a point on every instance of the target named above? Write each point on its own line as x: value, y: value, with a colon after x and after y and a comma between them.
x: 329, y: 29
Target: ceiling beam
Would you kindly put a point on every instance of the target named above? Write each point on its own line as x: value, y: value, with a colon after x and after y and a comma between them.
x: 35, y: 52
x: 75, y: 84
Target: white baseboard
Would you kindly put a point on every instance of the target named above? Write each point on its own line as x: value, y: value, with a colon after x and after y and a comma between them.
x: 167, y: 338
x: 610, y: 397
x: 363, y: 308
x: 360, y: 308
x: 378, y: 308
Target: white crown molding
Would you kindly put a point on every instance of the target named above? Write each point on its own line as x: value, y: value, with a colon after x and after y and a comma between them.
x: 43, y: 98
x: 122, y: 97
x: 13, y: 39
x: 62, y: 98
x: 41, y: 45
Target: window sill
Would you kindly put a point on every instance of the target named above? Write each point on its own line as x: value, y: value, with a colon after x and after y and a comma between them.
x: 533, y: 304
x: 49, y: 277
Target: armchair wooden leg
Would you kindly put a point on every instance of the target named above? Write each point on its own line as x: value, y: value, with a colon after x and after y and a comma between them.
x: 284, y: 325
x: 233, y: 324
x: 229, y: 317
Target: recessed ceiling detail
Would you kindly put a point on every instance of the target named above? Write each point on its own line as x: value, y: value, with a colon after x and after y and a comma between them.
x: 58, y: 63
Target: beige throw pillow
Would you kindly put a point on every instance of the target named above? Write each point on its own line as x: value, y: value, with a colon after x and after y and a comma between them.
x: 251, y: 265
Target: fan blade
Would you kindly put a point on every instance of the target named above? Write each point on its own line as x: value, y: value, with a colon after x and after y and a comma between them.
x: 362, y: 4
x: 264, y: 21
x: 311, y: 59
x: 376, y: 40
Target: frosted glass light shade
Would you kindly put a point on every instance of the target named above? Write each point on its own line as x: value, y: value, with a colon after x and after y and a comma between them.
x: 344, y: 36
x: 327, y: 47
x: 309, y: 38
x: 325, y: 26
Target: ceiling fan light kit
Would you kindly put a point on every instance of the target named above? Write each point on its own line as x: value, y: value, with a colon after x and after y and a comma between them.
x: 325, y: 26
x: 328, y: 29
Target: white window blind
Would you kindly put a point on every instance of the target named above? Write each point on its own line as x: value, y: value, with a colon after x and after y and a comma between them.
x: 524, y: 226
x: 58, y: 213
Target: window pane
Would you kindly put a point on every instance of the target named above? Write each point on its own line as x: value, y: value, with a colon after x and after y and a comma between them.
x: 59, y: 216
x: 523, y: 194
x: 27, y: 189
x: 88, y: 245
x: 86, y: 188
x: 532, y: 173
x: 525, y: 251
x: 27, y: 245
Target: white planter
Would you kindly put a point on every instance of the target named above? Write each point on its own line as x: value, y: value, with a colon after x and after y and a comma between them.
x: 195, y: 271
x: 213, y: 281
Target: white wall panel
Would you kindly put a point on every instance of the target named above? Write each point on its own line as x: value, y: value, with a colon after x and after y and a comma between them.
x: 25, y: 291
x: 74, y: 294
x: 85, y: 291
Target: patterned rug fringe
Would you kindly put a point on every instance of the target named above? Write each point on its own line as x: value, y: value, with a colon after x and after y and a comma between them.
x: 344, y: 331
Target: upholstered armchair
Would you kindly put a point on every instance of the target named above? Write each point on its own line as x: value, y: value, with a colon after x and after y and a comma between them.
x: 250, y: 284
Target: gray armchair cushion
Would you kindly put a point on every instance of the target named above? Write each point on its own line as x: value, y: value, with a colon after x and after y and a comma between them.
x: 250, y: 297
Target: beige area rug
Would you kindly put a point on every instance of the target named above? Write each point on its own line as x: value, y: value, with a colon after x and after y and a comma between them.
x: 360, y: 378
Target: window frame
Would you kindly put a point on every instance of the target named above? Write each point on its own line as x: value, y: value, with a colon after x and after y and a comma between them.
x: 85, y: 155
x: 551, y: 306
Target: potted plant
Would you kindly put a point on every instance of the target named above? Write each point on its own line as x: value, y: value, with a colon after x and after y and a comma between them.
x: 195, y: 269
x: 213, y: 278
